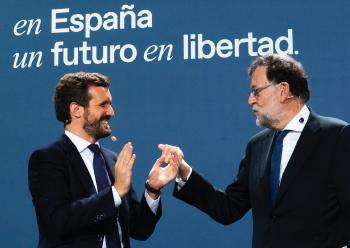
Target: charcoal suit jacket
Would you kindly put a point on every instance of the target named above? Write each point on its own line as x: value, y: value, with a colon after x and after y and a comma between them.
x: 312, y: 209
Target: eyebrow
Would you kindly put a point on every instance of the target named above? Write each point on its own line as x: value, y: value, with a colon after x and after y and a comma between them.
x: 106, y: 101
x: 264, y: 84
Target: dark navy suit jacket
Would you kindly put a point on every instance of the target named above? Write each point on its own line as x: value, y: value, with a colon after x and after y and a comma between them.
x: 69, y: 211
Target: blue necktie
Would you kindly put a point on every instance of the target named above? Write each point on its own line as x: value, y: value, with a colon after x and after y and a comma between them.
x: 99, y: 168
x: 102, y: 182
x: 276, y: 164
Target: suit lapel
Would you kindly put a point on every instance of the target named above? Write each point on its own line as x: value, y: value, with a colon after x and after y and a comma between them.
x: 303, y: 149
x: 264, y: 163
x: 264, y: 152
x: 77, y: 164
x: 110, y: 162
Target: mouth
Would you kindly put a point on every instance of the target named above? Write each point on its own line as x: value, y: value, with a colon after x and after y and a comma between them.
x: 105, y: 123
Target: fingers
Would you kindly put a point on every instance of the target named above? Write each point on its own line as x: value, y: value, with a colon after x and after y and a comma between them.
x: 126, y: 156
x: 172, y: 168
x: 168, y: 173
x: 176, y: 158
x: 158, y: 163
x: 123, y: 169
x: 165, y: 152
x: 132, y: 161
x: 168, y: 150
x: 124, y: 152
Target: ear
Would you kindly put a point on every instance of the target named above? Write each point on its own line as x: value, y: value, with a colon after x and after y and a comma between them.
x: 285, y: 91
x: 76, y: 110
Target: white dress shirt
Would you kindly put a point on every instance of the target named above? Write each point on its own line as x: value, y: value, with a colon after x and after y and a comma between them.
x: 88, y: 157
x: 296, y: 126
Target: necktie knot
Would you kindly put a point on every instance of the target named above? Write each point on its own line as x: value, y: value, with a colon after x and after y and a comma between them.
x: 281, y: 135
x: 95, y: 149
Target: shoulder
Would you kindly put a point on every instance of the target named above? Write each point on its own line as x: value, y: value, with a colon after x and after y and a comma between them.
x: 53, y: 150
x: 108, y: 153
x: 329, y: 122
x: 326, y: 123
x: 261, y: 136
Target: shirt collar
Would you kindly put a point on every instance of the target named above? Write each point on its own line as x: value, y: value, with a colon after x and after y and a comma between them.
x: 80, y: 143
x: 298, y: 123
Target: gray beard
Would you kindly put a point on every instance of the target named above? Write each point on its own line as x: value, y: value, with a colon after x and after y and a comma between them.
x: 266, y: 122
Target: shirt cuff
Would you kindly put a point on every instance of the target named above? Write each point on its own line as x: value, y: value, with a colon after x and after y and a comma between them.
x: 180, y: 182
x: 153, y: 204
x: 116, y: 197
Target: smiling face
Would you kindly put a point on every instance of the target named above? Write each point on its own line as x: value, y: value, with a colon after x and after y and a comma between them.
x: 98, y: 112
x: 264, y: 99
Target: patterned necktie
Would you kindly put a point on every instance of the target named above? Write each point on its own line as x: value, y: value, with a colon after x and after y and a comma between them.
x: 276, y: 164
x: 102, y: 182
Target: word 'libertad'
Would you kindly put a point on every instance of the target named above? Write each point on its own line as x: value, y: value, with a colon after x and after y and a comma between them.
x: 196, y: 47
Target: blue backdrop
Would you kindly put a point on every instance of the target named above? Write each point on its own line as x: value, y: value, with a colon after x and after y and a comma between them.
x: 190, y: 89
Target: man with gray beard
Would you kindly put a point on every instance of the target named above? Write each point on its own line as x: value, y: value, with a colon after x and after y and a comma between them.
x: 295, y: 175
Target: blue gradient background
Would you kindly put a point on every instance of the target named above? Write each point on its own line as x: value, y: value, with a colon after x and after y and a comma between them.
x: 199, y: 105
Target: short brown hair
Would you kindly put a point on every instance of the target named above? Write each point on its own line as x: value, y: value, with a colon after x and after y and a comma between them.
x: 73, y: 87
x: 284, y: 68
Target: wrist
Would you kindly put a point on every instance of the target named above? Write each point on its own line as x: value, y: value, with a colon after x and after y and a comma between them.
x: 184, y: 171
x: 120, y: 192
x: 152, y: 190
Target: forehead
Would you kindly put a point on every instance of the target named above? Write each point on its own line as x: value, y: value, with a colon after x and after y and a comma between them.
x: 99, y: 94
x: 258, y: 77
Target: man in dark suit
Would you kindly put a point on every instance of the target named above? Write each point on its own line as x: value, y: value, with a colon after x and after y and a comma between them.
x: 81, y: 192
x: 295, y: 175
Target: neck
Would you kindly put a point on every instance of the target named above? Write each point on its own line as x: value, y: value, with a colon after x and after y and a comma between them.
x: 80, y: 132
x: 290, y: 111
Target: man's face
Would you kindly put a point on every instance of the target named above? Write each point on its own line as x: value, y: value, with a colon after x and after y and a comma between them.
x: 264, y: 99
x: 97, y: 114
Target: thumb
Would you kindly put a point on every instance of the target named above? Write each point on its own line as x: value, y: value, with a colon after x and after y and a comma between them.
x: 161, y: 146
x: 158, y: 163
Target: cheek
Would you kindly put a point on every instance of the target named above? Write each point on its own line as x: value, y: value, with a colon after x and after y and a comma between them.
x: 93, y: 116
x: 272, y: 105
x: 262, y: 102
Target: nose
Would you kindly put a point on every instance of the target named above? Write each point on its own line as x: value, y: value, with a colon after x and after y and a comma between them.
x: 251, y: 99
x: 110, y: 111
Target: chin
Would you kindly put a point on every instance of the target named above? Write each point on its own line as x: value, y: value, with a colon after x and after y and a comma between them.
x: 258, y: 123
x: 105, y: 130
x: 107, y: 133
x: 104, y: 133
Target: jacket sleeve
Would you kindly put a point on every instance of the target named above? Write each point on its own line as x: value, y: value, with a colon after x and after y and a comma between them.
x: 224, y: 207
x: 138, y: 220
x: 142, y: 220
x: 342, y: 178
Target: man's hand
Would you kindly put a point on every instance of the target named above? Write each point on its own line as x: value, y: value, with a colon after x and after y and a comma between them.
x: 159, y: 176
x: 123, y: 169
x: 174, y: 154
